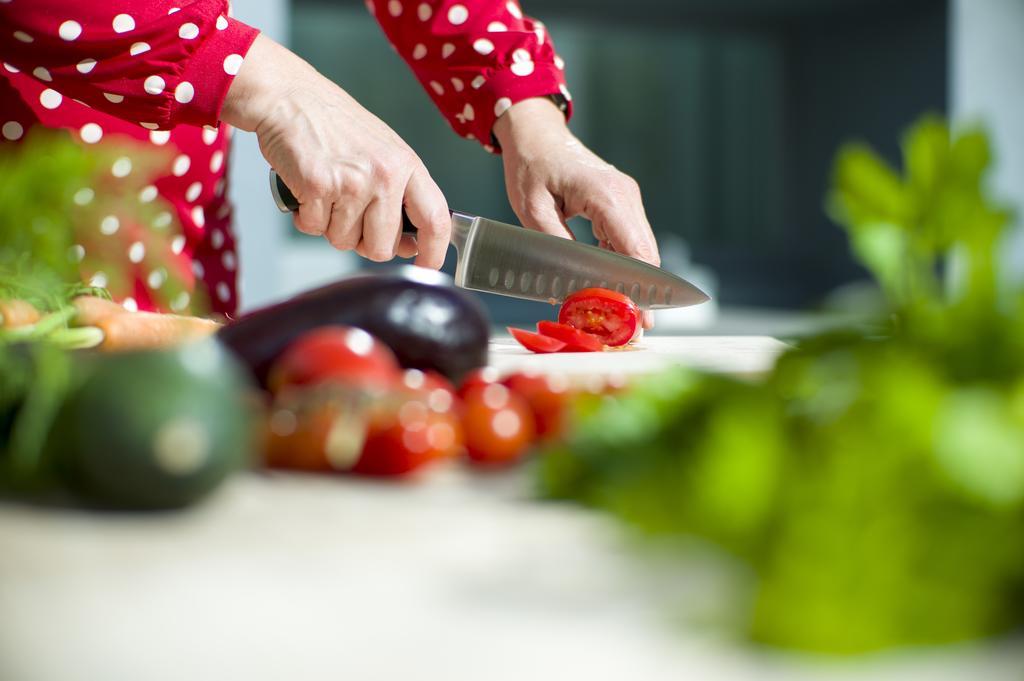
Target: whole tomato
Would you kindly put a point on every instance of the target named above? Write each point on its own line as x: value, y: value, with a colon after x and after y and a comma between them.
x: 498, y: 424
x: 549, y: 398
x: 314, y: 433
x: 479, y: 378
x: 336, y: 354
x: 402, y: 440
x: 388, y: 435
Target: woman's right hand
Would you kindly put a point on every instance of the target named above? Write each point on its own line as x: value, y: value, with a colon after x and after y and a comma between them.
x: 351, y: 173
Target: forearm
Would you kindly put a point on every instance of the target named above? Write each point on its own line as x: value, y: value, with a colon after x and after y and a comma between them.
x: 263, y: 86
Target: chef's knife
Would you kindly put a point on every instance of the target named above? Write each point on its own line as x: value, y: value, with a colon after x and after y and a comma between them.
x: 512, y: 261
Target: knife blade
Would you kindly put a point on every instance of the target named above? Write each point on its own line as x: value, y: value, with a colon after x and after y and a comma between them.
x: 495, y: 257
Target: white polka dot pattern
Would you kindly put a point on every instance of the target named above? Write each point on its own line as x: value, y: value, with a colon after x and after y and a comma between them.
x: 86, y: 65
x: 181, y: 165
x: 147, y: 194
x: 12, y: 130
x: 232, y: 63
x: 457, y: 15
x: 184, y: 93
x: 154, y: 85
x: 138, y: 48
x: 50, y: 99
x: 91, y: 133
x: 472, y: 56
x: 123, y: 23
x: 69, y: 30
x: 188, y: 31
x: 122, y: 167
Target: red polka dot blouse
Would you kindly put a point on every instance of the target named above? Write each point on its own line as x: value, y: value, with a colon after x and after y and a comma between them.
x: 157, y: 71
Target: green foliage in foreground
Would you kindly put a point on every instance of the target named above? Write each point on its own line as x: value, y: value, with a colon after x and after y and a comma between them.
x: 873, y: 485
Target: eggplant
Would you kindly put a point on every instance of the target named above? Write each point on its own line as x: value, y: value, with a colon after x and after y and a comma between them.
x: 418, y: 313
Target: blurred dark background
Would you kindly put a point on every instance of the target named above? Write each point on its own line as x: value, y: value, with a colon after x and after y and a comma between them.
x: 727, y: 112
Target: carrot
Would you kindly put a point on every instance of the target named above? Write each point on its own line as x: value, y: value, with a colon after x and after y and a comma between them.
x: 92, y: 309
x: 151, y: 330
x: 15, y: 313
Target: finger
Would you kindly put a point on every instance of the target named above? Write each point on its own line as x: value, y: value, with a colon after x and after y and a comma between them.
x: 428, y: 210
x: 312, y: 217
x: 540, y: 211
x: 627, y: 232
x: 406, y: 247
x: 382, y: 222
x: 346, y: 226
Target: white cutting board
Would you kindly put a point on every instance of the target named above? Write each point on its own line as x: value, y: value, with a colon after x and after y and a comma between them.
x: 720, y: 354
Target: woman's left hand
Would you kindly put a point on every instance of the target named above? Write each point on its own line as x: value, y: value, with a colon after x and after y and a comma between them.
x: 551, y: 177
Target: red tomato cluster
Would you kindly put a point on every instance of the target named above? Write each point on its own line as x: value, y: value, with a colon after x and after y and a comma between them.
x: 589, y: 321
x: 341, y: 403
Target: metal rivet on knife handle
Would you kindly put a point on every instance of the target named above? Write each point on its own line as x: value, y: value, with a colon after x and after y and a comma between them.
x: 539, y: 285
x: 510, y: 279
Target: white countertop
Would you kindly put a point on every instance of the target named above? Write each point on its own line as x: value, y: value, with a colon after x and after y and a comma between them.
x: 456, y: 576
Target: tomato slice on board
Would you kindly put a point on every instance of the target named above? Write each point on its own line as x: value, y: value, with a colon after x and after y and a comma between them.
x: 574, y: 339
x: 535, y: 342
x: 609, y: 315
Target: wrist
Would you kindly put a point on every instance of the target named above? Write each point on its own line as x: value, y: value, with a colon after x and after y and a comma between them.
x: 261, y: 86
x: 528, y: 120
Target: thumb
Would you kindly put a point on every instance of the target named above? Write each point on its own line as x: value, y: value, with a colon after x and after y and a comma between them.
x: 540, y: 211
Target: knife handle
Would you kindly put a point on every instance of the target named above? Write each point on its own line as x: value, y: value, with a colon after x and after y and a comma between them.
x: 287, y: 203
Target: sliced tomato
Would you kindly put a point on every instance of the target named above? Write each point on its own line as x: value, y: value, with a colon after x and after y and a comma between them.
x: 609, y: 315
x: 549, y: 398
x: 574, y: 339
x: 498, y: 425
x: 339, y: 354
x: 535, y: 342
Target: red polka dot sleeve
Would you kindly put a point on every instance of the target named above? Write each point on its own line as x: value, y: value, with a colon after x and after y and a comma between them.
x: 475, y: 58
x: 129, y: 58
